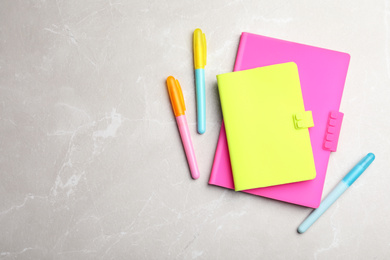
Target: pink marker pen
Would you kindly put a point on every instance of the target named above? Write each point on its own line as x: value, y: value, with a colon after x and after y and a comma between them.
x: 179, y: 108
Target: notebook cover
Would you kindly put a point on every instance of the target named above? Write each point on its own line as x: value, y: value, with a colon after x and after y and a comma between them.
x: 266, y: 148
x: 322, y: 75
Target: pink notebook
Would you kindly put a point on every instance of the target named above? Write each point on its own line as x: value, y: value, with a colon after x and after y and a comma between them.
x: 322, y: 74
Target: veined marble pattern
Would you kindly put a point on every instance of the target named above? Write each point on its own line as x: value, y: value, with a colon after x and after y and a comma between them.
x: 91, y: 163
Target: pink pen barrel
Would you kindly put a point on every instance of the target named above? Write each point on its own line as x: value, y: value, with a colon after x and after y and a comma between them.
x: 188, y: 147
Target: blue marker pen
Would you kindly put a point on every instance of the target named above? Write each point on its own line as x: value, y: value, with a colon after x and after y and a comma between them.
x: 200, y: 57
x: 337, y: 191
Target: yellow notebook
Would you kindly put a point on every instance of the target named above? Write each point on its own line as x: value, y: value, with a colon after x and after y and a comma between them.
x: 266, y: 126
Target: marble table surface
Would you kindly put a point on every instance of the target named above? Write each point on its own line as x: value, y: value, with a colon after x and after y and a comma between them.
x: 91, y: 164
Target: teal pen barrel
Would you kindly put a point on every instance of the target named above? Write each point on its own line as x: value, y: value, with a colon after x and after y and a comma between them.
x: 337, y: 191
x: 201, y: 100
x: 325, y: 204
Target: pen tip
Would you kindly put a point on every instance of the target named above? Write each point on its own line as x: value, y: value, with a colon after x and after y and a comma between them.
x: 171, y: 81
x: 195, y: 175
x: 300, y: 230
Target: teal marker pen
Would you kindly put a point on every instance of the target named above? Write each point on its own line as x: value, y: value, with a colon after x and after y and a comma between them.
x: 337, y: 191
x: 200, y: 57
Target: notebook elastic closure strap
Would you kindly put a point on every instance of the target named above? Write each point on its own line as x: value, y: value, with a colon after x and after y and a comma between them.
x: 303, y: 120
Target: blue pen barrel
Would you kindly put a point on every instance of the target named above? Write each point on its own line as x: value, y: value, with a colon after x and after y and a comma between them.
x: 200, y: 100
x: 325, y: 204
x: 337, y: 191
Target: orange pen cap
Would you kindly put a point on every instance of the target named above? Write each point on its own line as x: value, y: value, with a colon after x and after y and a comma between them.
x: 176, y: 96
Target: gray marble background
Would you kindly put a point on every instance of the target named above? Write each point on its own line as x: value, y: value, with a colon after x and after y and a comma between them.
x: 91, y: 163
